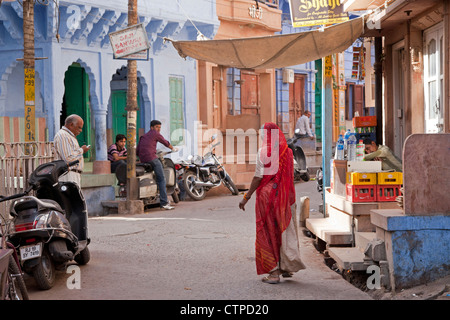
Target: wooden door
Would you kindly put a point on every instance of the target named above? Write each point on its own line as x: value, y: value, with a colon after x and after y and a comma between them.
x: 176, y: 88
x: 249, y: 93
x: 358, y: 99
x: 76, y: 101
x: 119, y: 114
x: 296, y: 101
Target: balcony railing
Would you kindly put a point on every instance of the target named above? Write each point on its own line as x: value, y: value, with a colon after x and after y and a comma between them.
x: 270, y: 3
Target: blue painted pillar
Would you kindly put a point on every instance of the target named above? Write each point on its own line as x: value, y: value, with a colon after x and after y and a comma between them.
x: 327, y: 122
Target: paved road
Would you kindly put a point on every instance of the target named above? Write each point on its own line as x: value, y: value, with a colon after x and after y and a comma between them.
x: 200, y: 250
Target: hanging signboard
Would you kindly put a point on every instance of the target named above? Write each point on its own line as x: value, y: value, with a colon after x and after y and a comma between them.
x: 141, y: 55
x: 129, y: 41
x: 307, y: 13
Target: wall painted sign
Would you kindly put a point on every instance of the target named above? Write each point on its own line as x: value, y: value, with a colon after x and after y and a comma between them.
x: 29, y: 77
x: 129, y: 41
x: 306, y: 13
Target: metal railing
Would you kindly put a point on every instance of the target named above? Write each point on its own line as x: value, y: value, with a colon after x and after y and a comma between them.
x: 270, y: 3
x: 17, y: 162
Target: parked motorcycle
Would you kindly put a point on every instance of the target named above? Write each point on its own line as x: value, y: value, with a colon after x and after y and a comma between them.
x: 50, y: 228
x: 300, y: 169
x: 148, y: 189
x: 204, y: 173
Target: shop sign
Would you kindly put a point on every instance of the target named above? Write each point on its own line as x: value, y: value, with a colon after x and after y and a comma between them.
x: 129, y: 41
x: 306, y: 13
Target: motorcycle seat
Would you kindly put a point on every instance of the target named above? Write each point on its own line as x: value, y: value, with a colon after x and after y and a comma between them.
x: 36, y: 203
x: 147, y: 167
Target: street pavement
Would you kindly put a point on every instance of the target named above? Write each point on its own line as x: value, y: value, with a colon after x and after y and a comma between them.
x: 199, y: 251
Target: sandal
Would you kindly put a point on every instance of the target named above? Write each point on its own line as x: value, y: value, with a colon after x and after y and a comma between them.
x: 271, y: 279
x: 287, y: 274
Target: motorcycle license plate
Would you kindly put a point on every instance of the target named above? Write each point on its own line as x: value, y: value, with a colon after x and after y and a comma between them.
x: 30, y: 252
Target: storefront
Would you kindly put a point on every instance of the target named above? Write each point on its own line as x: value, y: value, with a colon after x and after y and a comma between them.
x: 231, y: 98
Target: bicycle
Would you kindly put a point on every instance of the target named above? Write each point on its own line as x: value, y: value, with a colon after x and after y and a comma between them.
x: 14, y: 286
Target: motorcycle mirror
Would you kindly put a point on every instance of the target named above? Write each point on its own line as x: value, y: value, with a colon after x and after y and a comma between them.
x: 214, y: 137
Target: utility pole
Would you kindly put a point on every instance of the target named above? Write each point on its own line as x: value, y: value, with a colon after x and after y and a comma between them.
x: 133, y: 205
x: 29, y: 71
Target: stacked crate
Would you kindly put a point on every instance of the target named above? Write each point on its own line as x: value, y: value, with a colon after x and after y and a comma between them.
x: 361, y: 186
x: 373, y: 186
x: 388, y: 185
x: 365, y: 127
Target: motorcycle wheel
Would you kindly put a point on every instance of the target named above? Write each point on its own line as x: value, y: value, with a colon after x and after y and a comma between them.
x: 230, y: 185
x: 44, y: 273
x: 175, y: 196
x: 196, y: 194
x: 17, y: 290
x: 305, y: 177
x: 83, y: 257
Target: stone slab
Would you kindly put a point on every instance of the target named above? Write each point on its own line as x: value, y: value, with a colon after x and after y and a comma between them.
x: 396, y: 220
x: 348, y: 258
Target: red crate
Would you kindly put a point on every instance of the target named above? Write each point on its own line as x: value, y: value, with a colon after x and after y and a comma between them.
x: 361, y: 193
x: 388, y: 192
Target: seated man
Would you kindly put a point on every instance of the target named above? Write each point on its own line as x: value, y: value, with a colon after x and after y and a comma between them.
x: 117, y: 152
x: 382, y: 153
x: 146, y: 151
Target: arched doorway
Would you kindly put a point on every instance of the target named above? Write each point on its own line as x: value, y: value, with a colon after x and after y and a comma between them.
x: 76, y: 101
x: 118, y: 103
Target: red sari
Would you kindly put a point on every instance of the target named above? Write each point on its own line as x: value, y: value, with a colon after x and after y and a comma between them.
x: 274, y: 197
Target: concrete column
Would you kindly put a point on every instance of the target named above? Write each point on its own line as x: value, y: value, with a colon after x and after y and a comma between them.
x: 101, y: 164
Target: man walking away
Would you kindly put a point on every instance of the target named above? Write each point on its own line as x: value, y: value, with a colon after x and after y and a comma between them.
x: 68, y: 149
x: 146, y: 151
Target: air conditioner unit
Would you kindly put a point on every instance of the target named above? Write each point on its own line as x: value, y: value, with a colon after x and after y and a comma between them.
x: 288, y: 76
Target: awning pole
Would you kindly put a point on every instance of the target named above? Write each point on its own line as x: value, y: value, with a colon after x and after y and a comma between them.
x: 327, y: 124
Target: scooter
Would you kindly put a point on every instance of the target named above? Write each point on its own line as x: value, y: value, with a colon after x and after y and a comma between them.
x: 148, y: 189
x: 204, y: 173
x: 300, y: 169
x: 50, y: 228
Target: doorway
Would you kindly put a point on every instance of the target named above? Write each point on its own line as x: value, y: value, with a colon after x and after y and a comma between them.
x: 76, y: 101
x: 296, y: 101
x: 434, y: 78
x: 399, y: 87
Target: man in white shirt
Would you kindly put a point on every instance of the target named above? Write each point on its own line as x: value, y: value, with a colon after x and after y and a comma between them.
x: 68, y: 149
x: 303, y: 125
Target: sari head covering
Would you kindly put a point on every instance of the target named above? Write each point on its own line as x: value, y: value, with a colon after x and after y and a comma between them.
x: 274, y: 197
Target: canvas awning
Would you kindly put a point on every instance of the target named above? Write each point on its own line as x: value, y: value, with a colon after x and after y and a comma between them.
x: 276, y: 51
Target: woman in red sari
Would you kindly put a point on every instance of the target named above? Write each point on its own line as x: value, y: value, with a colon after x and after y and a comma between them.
x: 276, y: 246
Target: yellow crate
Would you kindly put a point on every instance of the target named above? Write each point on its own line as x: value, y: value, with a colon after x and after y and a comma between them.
x: 361, y: 178
x: 390, y: 178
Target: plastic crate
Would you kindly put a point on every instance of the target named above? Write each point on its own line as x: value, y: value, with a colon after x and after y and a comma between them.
x: 366, y: 121
x: 388, y: 192
x: 361, y: 178
x: 361, y: 193
x: 390, y: 178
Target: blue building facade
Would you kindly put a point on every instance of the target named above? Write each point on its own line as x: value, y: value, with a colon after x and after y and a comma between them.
x: 72, y: 38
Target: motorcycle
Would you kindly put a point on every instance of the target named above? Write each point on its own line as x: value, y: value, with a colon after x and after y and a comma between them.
x: 148, y: 188
x: 300, y: 169
x: 50, y: 228
x: 204, y: 173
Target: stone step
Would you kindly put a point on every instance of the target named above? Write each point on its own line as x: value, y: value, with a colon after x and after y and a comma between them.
x: 363, y: 238
x: 327, y: 230
x: 348, y: 258
x: 111, y: 207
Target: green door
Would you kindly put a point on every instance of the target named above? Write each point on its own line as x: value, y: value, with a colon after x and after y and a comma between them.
x: 119, y: 114
x: 176, y: 108
x: 76, y: 101
x: 318, y: 100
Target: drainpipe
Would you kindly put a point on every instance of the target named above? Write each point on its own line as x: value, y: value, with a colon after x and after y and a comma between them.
x: 378, y: 89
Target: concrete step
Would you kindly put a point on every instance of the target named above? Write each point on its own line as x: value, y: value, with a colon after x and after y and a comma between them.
x: 327, y: 230
x: 348, y: 258
x: 363, y: 238
x: 111, y: 207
